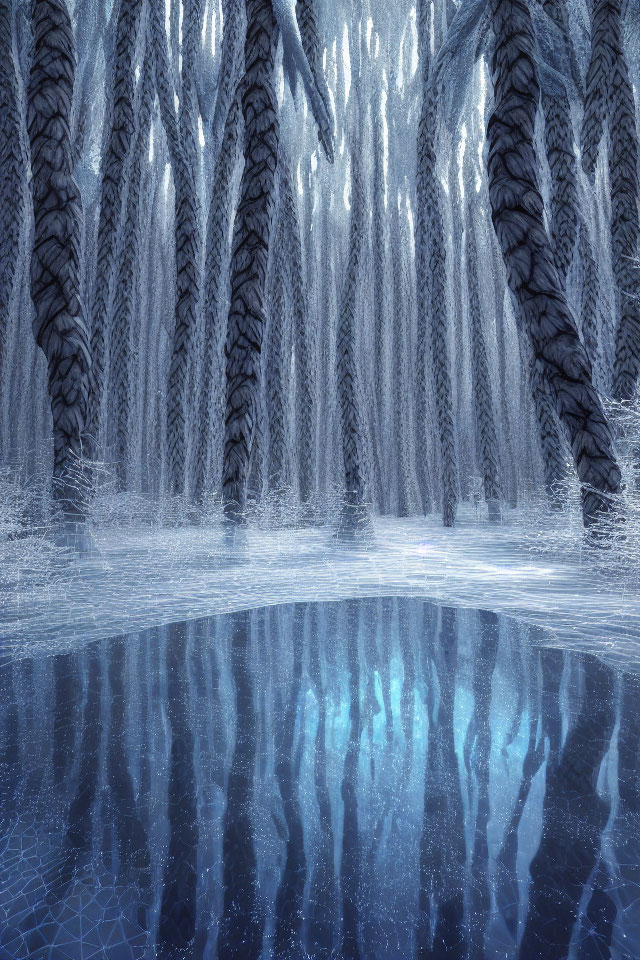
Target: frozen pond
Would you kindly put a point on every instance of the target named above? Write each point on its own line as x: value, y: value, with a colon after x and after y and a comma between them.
x: 369, y: 778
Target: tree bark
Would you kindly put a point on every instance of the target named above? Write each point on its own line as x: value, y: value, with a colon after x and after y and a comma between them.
x: 252, y: 234
x: 122, y: 351
x: 114, y: 187
x: 211, y: 400
x: 181, y: 134
x: 517, y: 212
x: 485, y: 417
x: 433, y: 299
x: 13, y: 185
x: 354, y: 514
x: 59, y: 323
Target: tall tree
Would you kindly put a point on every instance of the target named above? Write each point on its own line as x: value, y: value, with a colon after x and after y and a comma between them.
x: 354, y: 514
x: 431, y: 266
x: 485, y: 418
x: 610, y: 108
x: 59, y: 323
x: 13, y: 185
x: 379, y: 313
x: 276, y: 374
x: 123, y: 335
x: 181, y: 131
x: 302, y: 332
x: 252, y: 233
x: 113, y: 192
x: 517, y: 212
x: 306, y: 15
x: 558, y: 136
x: 254, y: 221
x: 211, y: 399
x: 231, y: 62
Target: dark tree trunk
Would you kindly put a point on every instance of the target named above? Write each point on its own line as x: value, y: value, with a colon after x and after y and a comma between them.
x: 59, y: 323
x: 517, y: 212
x: 252, y: 234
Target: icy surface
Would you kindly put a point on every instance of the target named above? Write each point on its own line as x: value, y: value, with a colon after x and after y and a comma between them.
x: 337, y: 780
x: 144, y: 576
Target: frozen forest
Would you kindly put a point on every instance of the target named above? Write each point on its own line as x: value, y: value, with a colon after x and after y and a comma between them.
x: 319, y: 479
x: 318, y: 262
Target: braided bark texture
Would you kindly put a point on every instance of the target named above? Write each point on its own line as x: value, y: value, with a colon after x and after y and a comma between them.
x: 122, y: 347
x: 558, y: 135
x: 485, y: 417
x: 188, y: 247
x: 429, y: 194
x: 305, y: 372
x: 252, y: 233
x: 13, y: 185
x: 354, y: 514
x: 114, y: 183
x: 212, y: 392
x: 625, y: 222
x: 517, y: 212
x: 59, y: 323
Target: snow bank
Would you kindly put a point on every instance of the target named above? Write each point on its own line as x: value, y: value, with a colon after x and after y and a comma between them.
x: 143, y: 576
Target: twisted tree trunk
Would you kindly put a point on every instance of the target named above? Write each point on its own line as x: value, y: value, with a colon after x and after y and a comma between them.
x: 305, y: 372
x: 276, y: 372
x: 230, y: 70
x: 312, y: 46
x: 252, y: 233
x: 433, y: 299
x: 211, y: 400
x: 485, y: 418
x: 589, y: 304
x: 114, y: 186
x: 13, y: 185
x: 609, y: 104
x: 122, y: 350
x: 379, y: 273
x: 517, y: 213
x: 354, y: 513
x: 59, y: 324
x: 181, y: 134
x: 601, y: 67
x: 625, y: 221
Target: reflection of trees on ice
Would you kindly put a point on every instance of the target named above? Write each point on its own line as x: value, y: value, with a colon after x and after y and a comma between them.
x: 375, y: 780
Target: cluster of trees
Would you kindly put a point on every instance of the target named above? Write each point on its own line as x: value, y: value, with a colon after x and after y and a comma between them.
x: 295, y: 782
x: 422, y: 282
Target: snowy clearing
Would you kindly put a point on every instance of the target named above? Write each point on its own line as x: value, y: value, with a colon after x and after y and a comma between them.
x: 142, y: 576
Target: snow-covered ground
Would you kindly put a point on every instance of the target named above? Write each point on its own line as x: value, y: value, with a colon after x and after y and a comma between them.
x: 143, y: 576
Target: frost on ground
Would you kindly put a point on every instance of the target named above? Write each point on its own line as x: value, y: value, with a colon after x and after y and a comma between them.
x: 533, y: 567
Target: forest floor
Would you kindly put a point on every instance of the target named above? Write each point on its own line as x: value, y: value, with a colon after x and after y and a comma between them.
x: 142, y: 576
